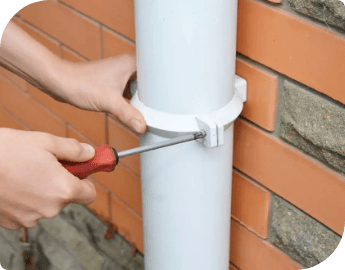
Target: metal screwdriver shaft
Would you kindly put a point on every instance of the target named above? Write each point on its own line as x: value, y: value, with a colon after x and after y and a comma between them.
x: 185, y: 138
x: 106, y: 157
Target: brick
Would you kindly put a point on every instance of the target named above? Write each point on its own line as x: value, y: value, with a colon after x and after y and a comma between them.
x: 293, y: 46
x: 48, y: 42
x: 89, y: 123
x: 249, y: 252
x: 128, y: 223
x: 262, y: 94
x: 124, y: 184
x: 296, y: 177
x: 122, y: 139
x: 101, y: 204
x: 250, y: 204
x: 232, y: 267
x: 18, y: 81
x: 115, y: 45
x: 69, y: 55
x: 7, y: 120
x: 69, y: 27
x: 116, y: 14
x: 73, y: 133
x: 29, y: 111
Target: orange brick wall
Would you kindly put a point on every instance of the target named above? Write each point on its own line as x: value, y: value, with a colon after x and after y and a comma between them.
x: 288, y: 45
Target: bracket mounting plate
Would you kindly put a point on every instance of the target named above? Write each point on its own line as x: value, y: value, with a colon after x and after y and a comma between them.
x: 172, y: 125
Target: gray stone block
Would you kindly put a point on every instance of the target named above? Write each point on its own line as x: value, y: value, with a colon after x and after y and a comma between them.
x: 60, y: 235
x: 12, y: 237
x: 303, y: 238
x: 331, y: 12
x: 313, y: 124
x: 11, y: 257
x: 56, y: 254
x: 73, y: 240
x: 116, y: 249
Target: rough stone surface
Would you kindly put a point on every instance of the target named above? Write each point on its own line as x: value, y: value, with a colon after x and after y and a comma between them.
x: 331, y: 12
x: 303, y: 238
x: 94, y: 229
x: 10, y: 252
x: 73, y: 240
x: 314, y: 125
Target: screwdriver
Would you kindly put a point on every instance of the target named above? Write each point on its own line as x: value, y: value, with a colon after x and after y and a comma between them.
x: 106, y: 158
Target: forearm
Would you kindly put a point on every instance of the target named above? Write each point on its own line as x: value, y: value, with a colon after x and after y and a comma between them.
x: 25, y: 56
x: 96, y: 85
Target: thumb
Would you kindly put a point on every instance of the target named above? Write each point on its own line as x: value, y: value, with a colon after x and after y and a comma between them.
x: 128, y: 114
x: 70, y: 150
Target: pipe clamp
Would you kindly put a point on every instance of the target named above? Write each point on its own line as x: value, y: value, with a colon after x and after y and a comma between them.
x: 172, y: 125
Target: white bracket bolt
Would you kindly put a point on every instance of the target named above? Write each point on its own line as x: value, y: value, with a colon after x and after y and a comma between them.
x: 213, y: 126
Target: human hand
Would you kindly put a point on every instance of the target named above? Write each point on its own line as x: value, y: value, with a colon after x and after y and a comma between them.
x: 33, y: 184
x: 99, y: 86
x: 95, y: 85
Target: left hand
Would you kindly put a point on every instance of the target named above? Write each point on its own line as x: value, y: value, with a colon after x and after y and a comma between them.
x: 99, y: 85
x: 96, y: 85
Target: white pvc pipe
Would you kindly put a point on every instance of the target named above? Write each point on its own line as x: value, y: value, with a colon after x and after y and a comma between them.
x: 186, y: 65
x: 186, y: 54
x: 186, y: 206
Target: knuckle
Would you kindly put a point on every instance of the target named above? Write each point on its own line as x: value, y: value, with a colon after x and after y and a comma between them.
x: 73, y: 141
x: 125, y: 56
x: 12, y: 227
x: 24, y: 219
x: 48, y: 140
x: 51, y: 213
x: 68, y: 193
x: 130, y: 58
x: 76, y: 146
x: 9, y: 224
x: 30, y: 223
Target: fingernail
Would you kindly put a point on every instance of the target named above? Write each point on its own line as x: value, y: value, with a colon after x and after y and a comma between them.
x: 136, y: 125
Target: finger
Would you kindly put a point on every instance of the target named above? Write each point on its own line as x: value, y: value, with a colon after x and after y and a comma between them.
x: 25, y: 218
x: 30, y: 224
x: 84, y: 192
x: 9, y: 225
x: 69, y: 149
x: 128, y: 114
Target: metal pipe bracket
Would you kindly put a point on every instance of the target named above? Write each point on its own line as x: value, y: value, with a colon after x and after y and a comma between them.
x: 172, y: 125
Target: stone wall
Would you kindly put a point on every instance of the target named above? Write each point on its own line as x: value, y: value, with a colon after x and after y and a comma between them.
x: 73, y: 240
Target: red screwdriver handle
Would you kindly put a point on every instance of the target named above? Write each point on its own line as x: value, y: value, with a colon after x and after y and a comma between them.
x: 105, y: 160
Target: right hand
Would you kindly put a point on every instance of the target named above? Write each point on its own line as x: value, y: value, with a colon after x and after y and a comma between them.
x: 33, y: 183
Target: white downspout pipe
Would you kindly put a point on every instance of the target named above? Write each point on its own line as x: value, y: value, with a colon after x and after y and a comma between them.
x: 186, y: 82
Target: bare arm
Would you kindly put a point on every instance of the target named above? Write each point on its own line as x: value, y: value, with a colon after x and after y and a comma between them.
x: 33, y: 183
x: 95, y: 85
x: 28, y: 58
